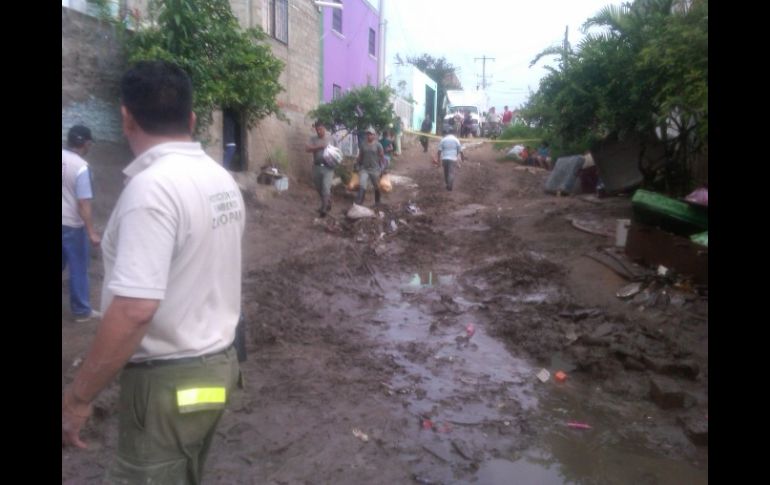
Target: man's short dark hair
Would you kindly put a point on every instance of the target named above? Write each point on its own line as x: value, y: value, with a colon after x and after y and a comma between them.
x: 78, y: 136
x: 158, y: 94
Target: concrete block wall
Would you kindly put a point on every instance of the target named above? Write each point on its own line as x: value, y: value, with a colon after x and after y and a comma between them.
x: 92, y: 63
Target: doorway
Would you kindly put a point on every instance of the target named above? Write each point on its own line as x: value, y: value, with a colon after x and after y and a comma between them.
x: 233, y: 157
x: 430, y: 103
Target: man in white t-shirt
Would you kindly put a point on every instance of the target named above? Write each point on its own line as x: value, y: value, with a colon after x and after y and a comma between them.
x: 449, y: 150
x: 171, y: 294
x: 77, y: 227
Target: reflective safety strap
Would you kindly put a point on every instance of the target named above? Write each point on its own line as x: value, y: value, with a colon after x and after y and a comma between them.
x: 200, y: 398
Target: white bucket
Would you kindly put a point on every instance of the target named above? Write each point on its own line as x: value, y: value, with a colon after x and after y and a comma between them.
x: 621, y: 232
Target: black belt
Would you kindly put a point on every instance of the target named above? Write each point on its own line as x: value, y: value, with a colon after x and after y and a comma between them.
x: 147, y: 364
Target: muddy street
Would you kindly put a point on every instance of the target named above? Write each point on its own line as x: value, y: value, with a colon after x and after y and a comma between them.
x: 406, y: 348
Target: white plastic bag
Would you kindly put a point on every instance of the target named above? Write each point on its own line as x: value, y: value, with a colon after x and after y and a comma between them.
x: 359, y: 212
x: 332, y: 156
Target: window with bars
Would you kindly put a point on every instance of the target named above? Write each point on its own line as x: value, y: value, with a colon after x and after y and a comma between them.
x: 372, y: 43
x: 336, y: 91
x: 337, y: 18
x: 278, y: 20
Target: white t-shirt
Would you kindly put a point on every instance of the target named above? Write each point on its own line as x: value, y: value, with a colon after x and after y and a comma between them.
x: 175, y: 235
x: 450, y: 147
x: 75, y: 185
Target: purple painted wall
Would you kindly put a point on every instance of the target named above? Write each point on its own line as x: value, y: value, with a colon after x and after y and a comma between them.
x: 346, y: 61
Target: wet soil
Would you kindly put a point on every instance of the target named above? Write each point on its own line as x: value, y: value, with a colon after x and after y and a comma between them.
x: 405, y: 348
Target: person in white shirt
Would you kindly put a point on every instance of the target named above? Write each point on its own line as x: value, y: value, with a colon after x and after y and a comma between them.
x: 77, y: 227
x: 449, y: 150
x: 171, y: 293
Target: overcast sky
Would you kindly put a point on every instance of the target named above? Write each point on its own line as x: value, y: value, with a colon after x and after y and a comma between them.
x: 511, y: 31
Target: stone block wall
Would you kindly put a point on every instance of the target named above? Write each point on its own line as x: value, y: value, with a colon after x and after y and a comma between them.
x: 92, y: 63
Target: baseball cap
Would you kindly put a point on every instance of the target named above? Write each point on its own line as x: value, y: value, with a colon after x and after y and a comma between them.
x: 371, y: 130
x: 78, y: 135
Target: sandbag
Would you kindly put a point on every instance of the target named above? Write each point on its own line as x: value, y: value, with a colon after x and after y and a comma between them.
x: 385, y: 184
x: 354, y: 181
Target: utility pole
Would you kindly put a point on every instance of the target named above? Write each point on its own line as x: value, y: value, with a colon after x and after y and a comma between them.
x: 565, y: 48
x: 381, y: 52
x: 484, y: 60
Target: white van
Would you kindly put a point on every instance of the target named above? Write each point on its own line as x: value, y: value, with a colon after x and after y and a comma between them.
x: 461, y: 101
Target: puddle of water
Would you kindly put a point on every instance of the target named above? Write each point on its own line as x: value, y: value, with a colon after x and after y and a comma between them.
x: 571, y: 461
x: 520, y: 472
x: 448, y: 370
x: 426, y: 279
x: 468, y: 382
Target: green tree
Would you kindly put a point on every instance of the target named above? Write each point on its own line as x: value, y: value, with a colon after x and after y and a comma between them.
x: 359, y: 108
x: 646, y: 70
x: 230, y: 67
x: 441, y: 71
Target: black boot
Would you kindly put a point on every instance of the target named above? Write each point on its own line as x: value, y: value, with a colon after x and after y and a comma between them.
x: 376, y: 197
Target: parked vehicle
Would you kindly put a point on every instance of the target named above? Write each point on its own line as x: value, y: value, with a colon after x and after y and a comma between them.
x: 458, y: 103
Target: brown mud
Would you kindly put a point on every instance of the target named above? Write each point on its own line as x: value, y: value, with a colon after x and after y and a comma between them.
x: 361, y: 368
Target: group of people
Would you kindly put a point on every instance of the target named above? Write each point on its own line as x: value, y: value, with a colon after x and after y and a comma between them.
x: 171, y: 296
x: 373, y: 161
x: 494, y: 117
x: 537, y: 158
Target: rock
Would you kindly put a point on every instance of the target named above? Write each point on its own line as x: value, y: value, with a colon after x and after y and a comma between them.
x: 695, y: 426
x: 461, y: 448
x: 666, y: 393
x: 688, y: 368
x: 603, y: 330
x: 629, y: 290
x: 684, y: 368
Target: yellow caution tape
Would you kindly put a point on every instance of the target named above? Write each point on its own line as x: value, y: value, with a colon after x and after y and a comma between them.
x: 477, y: 140
x: 201, y: 398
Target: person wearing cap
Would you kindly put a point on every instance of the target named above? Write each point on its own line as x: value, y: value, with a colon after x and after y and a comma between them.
x: 322, y: 174
x: 449, y: 149
x: 77, y: 227
x: 370, y: 166
x: 172, y: 254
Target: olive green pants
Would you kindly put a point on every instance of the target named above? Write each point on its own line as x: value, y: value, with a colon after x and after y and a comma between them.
x: 160, y: 441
